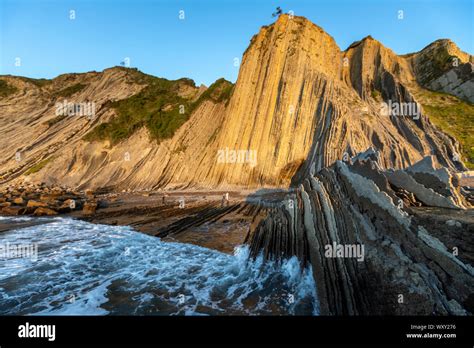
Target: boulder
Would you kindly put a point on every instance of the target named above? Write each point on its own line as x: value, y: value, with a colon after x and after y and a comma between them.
x: 89, y: 194
x: 437, y: 179
x: 89, y: 208
x: 428, y: 196
x: 19, y: 201
x: 42, y: 211
x: 12, y: 210
x: 69, y: 205
x: 28, y: 210
x: 32, y: 203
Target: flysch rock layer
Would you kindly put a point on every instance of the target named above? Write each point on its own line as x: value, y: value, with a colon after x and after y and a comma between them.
x: 299, y: 104
x: 406, y: 268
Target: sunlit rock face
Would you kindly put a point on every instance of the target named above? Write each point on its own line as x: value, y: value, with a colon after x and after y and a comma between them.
x: 299, y: 104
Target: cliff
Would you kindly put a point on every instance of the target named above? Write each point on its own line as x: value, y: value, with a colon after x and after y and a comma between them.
x: 299, y: 104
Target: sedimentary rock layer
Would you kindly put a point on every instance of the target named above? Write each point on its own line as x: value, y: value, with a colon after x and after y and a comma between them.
x: 408, y: 264
x: 299, y: 104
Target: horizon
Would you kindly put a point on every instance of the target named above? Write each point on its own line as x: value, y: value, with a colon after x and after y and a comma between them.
x: 187, y: 40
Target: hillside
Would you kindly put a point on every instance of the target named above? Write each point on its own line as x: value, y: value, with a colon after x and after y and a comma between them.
x: 299, y: 104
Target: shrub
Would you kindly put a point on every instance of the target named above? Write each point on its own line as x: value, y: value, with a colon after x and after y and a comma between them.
x: 69, y: 91
x: 6, y: 89
x: 158, y: 106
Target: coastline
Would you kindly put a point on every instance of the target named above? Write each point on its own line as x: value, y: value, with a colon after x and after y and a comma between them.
x: 203, y: 218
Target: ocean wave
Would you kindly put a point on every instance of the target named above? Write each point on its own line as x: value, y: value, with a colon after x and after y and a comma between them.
x: 90, y: 269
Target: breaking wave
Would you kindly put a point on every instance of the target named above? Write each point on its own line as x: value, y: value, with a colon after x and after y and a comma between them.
x: 89, y: 269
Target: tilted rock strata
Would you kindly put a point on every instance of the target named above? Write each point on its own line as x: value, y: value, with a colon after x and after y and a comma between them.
x: 406, y: 268
x: 299, y: 104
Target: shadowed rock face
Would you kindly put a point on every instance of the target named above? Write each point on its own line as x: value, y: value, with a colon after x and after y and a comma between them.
x: 442, y: 66
x: 459, y: 81
x: 299, y: 104
x: 407, y: 265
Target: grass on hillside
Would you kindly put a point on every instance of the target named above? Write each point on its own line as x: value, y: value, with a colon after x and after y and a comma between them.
x: 6, y: 89
x: 453, y: 116
x: 38, y: 166
x: 69, y: 91
x: 157, y: 107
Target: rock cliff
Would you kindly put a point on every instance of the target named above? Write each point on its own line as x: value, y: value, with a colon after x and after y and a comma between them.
x: 362, y: 137
x: 393, y: 259
x: 299, y: 104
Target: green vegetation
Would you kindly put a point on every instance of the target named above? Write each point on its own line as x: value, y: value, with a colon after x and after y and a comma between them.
x: 6, y: 89
x: 219, y: 91
x: 453, y: 116
x: 38, y: 166
x: 69, y: 91
x: 376, y: 94
x: 37, y: 82
x: 159, y: 106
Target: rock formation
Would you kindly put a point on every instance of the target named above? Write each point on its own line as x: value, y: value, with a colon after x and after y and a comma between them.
x: 408, y: 264
x: 373, y: 206
x: 442, y: 66
x: 299, y: 104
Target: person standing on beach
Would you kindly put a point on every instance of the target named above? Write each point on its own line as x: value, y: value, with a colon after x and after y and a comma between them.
x: 225, y: 199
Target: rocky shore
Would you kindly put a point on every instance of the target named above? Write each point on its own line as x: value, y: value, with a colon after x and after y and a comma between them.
x: 409, y: 233
x: 413, y: 227
x: 42, y: 200
x: 204, y: 218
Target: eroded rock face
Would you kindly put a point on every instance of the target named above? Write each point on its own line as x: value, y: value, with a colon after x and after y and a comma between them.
x: 299, y: 104
x: 458, y: 81
x: 442, y: 66
x: 38, y: 200
x: 403, y: 264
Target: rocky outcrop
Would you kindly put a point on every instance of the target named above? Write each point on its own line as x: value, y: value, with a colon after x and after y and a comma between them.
x: 372, y: 175
x: 370, y: 251
x: 39, y: 200
x: 458, y: 81
x: 299, y: 104
x: 442, y: 66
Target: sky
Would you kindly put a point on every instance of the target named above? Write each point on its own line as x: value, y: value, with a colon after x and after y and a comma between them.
x: 203, y: 46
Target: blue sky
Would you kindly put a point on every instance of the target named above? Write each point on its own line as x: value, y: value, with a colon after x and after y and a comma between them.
x: 203, y: 45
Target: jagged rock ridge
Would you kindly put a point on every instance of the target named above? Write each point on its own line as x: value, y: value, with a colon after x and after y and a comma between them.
x: 408, y: 264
